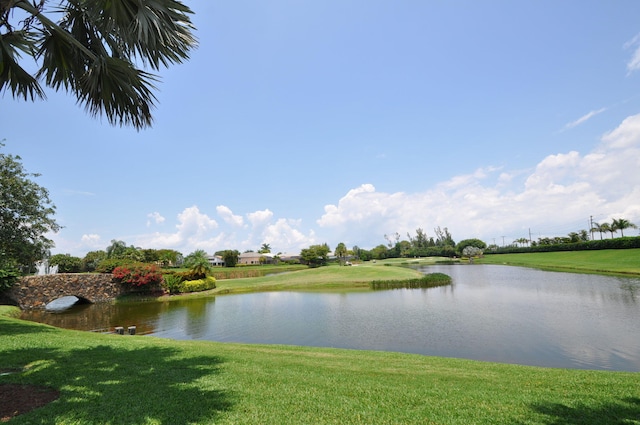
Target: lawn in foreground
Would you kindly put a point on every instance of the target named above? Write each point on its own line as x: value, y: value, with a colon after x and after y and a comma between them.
x: 616, y: 261
x: 111, y: 379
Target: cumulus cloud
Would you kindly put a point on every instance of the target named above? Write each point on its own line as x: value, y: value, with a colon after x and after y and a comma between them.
x: 228, y: 216
x: 154, y: 217
x: 563, y: 190
x: 259, y: 218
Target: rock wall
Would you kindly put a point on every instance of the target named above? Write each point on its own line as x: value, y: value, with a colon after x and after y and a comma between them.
x: 38, y: 291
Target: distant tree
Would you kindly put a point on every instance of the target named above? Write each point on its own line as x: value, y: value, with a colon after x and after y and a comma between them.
x: 150, y: 255
x: 379, y: 252
x: 170, y: 257
x: 574, y: 237
x: 443, y: 237
x: 92, y: 259
x: 477, y: 243
x: 621, y: 224
x: 66, y: 263
x: 341, y: 252
x: 230, y: 257
x: 116, y: 249
x: 26, y: 212
x: 315, y: 255
x: 195, y: 257
x: 600, y: 228
x: 94, y: 51
x: 265, y: 249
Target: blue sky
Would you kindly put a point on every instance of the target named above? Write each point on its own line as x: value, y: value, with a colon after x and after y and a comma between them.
x: 300, y: 122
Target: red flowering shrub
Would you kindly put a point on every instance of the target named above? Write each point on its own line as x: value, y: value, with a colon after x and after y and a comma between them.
x: 138, y: 274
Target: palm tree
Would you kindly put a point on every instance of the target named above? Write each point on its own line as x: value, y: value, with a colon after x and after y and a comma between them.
x: 93, y: 51
x: 621, y: 224
x: 600, y: 228
x: 341, y: 251
x: 265, y: 249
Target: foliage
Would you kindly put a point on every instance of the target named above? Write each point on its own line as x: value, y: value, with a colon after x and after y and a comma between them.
x: 315, y: 255
x: 341, y: 251
x: 66, y: 263
x: 195, y: 257
x: 9, y: 274
x: 171, y: 282
x: 26, y: 212
x: 230, y: 257
x: 561, y: 245
x: 109, y: 264
x: 430, y: 280
x: 197, y: 285
x: 92, y: 259
x: 116, y: 249
x: 138, y: 274
x: 94, y: 51
x: 470, y: 242
x: 265, y: 249
x: 471, y: 251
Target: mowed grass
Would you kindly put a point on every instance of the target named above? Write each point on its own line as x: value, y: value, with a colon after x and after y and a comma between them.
x: 617, y: 261
x: 131, y: 380
x: 321, y: 278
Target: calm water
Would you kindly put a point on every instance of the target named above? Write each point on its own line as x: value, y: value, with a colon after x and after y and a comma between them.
x: 494, y: 313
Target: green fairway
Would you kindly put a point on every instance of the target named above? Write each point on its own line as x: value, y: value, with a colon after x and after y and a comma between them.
x: 322, y: 278
x: 615, y: 261
x: 112, y: 379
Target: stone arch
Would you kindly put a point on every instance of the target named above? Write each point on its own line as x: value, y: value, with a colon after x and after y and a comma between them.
x: 38, y: 291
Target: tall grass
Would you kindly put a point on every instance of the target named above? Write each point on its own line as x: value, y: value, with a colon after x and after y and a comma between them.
x: 430, y: 280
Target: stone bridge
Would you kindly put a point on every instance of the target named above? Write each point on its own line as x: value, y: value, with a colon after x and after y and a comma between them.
x: 37, y: 291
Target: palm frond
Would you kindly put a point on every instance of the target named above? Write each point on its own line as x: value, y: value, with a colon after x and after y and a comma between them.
x: 158, y: 32
x: 12, y: 75
x: 116, y: 88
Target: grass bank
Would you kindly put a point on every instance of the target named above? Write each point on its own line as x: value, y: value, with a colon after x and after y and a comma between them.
x: 608, y: 261
x: 331, y: 277
x: 132, y: 380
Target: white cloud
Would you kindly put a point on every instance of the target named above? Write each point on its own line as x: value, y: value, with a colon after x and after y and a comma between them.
x: 228, y: 216
x: 584, y: 118
x: 155, y: 217
x: 259, y: 218
x: 634, y: 63
x: 562, y: 191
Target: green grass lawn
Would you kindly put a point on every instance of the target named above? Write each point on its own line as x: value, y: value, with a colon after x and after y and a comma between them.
x: 131, y: 380
x: 332, y: 277
x: 618, y: 261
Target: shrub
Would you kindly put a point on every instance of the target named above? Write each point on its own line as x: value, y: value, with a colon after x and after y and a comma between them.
x: 198, y: 285
x: 172, y: 283
x: 110, y: 264
x: 66, y: 263
x: 138, y: 275
x: 8, y: 277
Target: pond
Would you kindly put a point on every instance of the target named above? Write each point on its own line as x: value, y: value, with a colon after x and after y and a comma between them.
x: 490, y: 312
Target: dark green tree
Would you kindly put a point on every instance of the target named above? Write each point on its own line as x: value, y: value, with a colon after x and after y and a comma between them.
x: 94, y: 49
x: 66, y: 263
x: 315, y: 255
x: 230, y: 257
x: 621, y: 224
x: 26, y: 214
x: 92, y: 259
x: 341, y: 252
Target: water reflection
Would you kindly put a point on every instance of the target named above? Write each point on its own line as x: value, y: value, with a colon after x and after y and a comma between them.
x: 493, y: 313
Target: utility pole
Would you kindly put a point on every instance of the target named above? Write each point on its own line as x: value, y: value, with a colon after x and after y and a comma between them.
x: 530, y: 241
x: 591, y: 225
